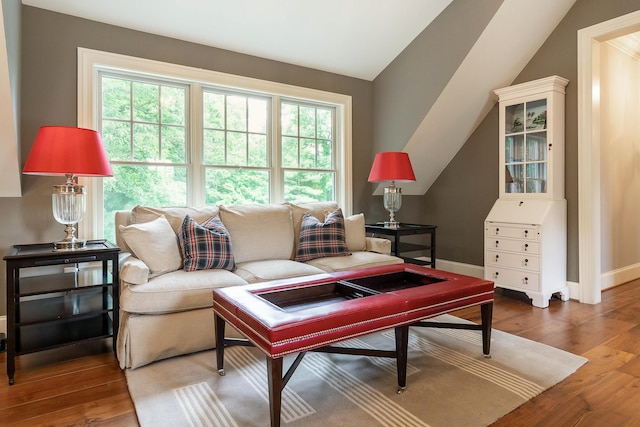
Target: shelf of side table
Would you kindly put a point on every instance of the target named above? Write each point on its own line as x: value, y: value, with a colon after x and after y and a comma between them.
x: 404, y: 229
x: 52, y: 302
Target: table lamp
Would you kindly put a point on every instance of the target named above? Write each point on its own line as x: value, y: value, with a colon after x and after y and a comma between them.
x: 392, y: 166
x: 70, y: 152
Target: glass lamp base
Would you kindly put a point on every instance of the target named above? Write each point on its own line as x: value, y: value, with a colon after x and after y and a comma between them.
x: 74, y: 245
x: 391, y: 224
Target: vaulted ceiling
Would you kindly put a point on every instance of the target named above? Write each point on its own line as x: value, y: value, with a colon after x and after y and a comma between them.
x: 357, y: 38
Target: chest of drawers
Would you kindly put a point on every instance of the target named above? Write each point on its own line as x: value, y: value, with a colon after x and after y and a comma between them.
x: 525, y: 248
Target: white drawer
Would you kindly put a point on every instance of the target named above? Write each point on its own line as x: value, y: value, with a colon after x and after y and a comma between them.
x: 529, y: 232
x: 512, y: 245
x: 512, y: 279
x: 512, y: 260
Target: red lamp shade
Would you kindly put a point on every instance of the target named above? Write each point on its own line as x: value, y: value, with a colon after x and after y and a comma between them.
x: 61, y: 150
x: 391, y: 166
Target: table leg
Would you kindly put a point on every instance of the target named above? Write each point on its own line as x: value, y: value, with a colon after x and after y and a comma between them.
x: 274, y: 369
x: 402, y: 342
x: 219, y: 324
x: 486, y: 311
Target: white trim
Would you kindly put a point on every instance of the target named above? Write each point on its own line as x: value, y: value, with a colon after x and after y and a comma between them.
x: 589, y: 39
x: 620, y: 276
x: 3, y: 324
x: 90, y: 61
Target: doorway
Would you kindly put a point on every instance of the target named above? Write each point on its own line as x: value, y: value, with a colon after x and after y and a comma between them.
x: 589, y: 145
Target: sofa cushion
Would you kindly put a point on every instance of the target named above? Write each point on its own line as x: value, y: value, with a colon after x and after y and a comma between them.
x: 262, y: 271
x: 356, y: 260
x: 356, y: 235
x: 205, y: 246
x: 155, y: 244
x: 174, y: 215
x: 259, y: 232
x: 176, y: 291
x: 321, y: 239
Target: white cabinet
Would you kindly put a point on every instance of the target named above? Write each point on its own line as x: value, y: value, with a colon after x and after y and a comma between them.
x: 525, y: 232
x: 525, y: 248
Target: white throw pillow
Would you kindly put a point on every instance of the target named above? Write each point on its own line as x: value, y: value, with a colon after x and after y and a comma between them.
x: 155, y: 243
x: 356, y: 235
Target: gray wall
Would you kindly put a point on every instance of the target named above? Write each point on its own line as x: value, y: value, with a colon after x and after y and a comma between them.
x: 463, y: 194
x: 48, y: 72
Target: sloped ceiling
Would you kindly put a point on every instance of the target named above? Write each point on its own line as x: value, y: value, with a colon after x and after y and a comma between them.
x: 356, y: 38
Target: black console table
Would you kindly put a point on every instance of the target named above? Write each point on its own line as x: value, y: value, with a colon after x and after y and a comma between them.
x: 53, y: 301
x: 398, y: 247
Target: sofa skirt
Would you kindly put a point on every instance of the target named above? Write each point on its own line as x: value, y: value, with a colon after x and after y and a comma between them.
x: 162, y: 336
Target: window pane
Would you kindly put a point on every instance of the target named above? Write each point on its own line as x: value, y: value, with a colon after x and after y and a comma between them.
x: 237, y: 113
x: 236, y: 186
x: 257, y: 115
x: 289, y: 119
x: 116, y: 137
x: 146, y: 143
x: 325, y: 123
x: 173, y: 105
x: 174, y: 144
x: 325, y: 157
x: 289, y: 152
x: 146, y: 102
x: 213, y: 150
x: 307, y: 122
x: 258, y: 150
x: 213, y: 106
x: 116, y: 98
x: 236, y: 149
x: 308, y: 153
x: 142, y: 185
x: 302, y: 187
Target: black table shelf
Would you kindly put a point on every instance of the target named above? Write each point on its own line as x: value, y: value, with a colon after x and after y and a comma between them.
x: 398, y: 247
x: 60, y: 298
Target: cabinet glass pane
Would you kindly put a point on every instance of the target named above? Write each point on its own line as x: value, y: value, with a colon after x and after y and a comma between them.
x: 537, y: 178
x: 514, y: 179
x: 537, y: 114
x: 514, y: 118
x: 514, y: 149
x: 537, y: 147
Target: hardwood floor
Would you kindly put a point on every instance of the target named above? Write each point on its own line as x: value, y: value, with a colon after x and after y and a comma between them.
x: 52, y: 389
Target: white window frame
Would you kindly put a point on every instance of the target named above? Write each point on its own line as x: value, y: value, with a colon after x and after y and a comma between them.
x: 90, y: 62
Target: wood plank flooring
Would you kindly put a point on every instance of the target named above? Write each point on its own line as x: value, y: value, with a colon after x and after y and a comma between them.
x: 83, y: 385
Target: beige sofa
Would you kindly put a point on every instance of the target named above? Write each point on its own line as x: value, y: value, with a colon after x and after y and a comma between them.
x: 166, y: 311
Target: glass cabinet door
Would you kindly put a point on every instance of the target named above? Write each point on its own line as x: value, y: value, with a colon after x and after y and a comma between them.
x: 525, y: 147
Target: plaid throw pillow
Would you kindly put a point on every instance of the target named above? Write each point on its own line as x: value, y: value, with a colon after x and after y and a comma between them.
x: 205, y: 246
x: 319, y: 239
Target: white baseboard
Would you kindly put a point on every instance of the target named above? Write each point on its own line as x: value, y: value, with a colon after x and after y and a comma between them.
x: 3, y: 324
x: 622, y: 275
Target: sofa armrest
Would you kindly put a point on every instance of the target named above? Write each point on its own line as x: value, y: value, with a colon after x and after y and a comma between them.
x: 378, y: 244
x: 133, y: 270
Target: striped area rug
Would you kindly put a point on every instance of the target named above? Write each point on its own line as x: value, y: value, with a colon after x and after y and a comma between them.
x: 449, y: 383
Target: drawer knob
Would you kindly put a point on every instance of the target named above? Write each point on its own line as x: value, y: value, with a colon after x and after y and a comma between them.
x: 496, y: 274
x: 497, y: 231
x: 497, y: 256
x: 497, y: 242
x: 526, y: 233
x: 526, y: 262
x: 526, y: 280
x: 526, y: 246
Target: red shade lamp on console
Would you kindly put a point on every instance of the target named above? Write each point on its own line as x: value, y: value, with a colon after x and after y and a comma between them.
x: 70, y: 152
x: 395, y: 167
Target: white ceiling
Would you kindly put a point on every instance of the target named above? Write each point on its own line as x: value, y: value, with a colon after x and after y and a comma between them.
x: 356, y: 38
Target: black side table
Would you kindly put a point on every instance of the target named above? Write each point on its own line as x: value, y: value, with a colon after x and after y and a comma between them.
x: 403, y: 229
x: 53, y: 300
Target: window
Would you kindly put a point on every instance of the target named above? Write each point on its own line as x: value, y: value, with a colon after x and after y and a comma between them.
x: 181, y: 136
